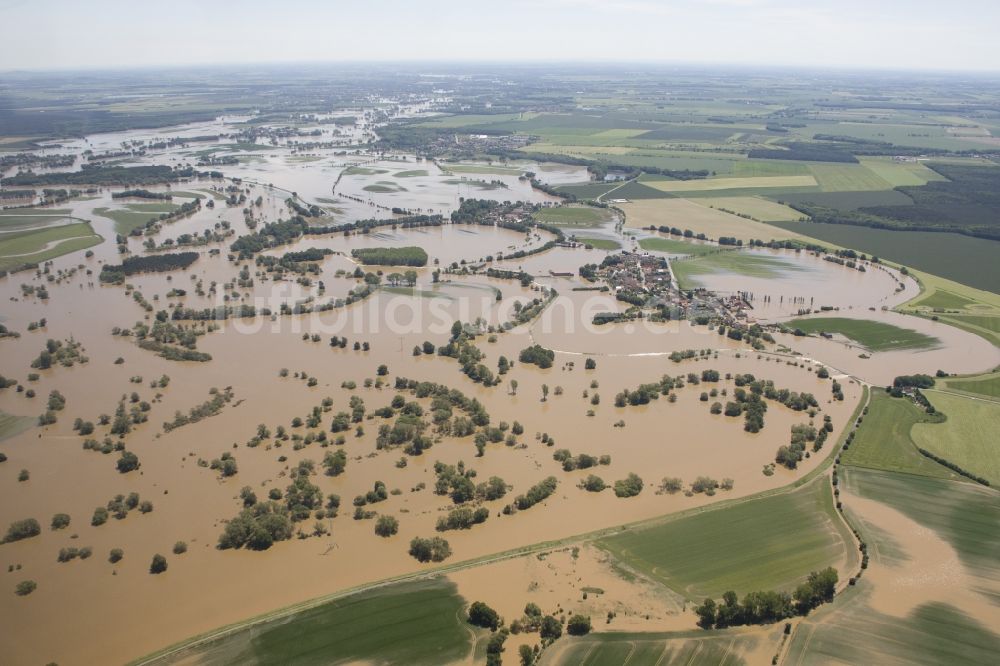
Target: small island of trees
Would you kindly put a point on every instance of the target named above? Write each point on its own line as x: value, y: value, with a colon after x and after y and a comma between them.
x: 434, y: 549
x: 391, y: 256
x: 22, y: 529
x: 537, y: 355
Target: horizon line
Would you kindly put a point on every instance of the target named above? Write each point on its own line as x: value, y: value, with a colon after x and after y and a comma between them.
x: 525, y: 63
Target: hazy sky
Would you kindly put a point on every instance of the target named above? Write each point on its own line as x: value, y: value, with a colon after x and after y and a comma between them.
x: 884, y: 34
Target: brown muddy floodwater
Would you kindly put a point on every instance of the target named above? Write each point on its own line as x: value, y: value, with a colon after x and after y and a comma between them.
x: 920, y: 568
x: 958, y: 351
x: 82, y: 597
x: 573, y: 580
x: 105, y: 613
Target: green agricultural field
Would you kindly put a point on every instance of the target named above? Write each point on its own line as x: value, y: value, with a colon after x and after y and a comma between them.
x: 750, y: 168
x: 588, y: 190
x: 969, y: 309
x: 963, y: 259
x: 689, y: 134
x: 9, y: 220
x: 756, y: 207
x: 589, y: 148
x: 620, y: 133
x: 921, y: 135
x: 473, y: 120
x: 773, y: 193
x: 671, y: 246
x: 684, y: 161
x: 575, y: 216
x: 653, y: 177
x: 125, y: 220
x: 968, y: 438
x: 11, y: 425
x: 681, y: 160
x: 989, y: 323
x: 767, y: 543
x: 412, y: 623
x: 847, y: 178
x: 40, y: 245
x: 883, y: 441
x: 636, y: 190
x: 599, y: 243
x: 413, y: 173
x: 944, y: 300
x: 983, y: 385
x: 680, y: 187
x: 741, y: 263
x: 978, y: 310
x: 576, y: 124
x: 873, y: 335
x: 720, y: 648
x: 901, y: 174
x: 847, y: 201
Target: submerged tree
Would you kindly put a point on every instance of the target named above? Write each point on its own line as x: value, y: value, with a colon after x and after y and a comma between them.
x: 434, y: 549
x: 158, y: 565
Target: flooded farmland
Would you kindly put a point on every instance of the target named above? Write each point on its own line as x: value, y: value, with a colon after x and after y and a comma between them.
x: 281, y: 368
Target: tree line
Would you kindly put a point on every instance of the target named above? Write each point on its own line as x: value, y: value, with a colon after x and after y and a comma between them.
x: 106, y: 175
x: 142, y: 194
x: 768, y: 606
x: 158, y: 263
x: 285, y: 231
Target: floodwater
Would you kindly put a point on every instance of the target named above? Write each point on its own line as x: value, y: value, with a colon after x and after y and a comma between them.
x: 445, y: 244
x: 578, y: 579
x: 323, y: 174
x: 574, y: 580
x: 662, y: 439
x: 206, y: 587
x: 921, y: 568
x: 958, y: 351
x: 810, y: 282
